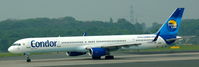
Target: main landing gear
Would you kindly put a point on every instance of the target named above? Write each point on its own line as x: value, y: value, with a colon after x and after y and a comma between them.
x: 27, y: 55
x: 109, y: 57
x: 106, y: 57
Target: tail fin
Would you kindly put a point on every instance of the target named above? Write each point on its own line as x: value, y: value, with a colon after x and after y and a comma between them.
x: 170, y: 28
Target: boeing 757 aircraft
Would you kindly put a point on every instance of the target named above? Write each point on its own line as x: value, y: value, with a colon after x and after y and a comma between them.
x: 98, y: 46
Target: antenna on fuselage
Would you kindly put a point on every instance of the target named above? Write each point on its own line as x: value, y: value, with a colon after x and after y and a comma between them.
x: 84, y: 34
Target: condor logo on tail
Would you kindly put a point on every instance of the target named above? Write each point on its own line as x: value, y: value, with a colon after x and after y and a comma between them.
x: 172, y: 25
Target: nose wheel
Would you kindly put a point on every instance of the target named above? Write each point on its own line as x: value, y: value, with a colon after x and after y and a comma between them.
x: 28, y: 60
x: 27, y: 57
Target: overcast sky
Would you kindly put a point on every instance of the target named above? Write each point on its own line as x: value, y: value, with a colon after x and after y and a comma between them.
x: 144, y: 10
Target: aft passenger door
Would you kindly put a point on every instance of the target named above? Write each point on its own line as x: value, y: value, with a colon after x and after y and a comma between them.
x: 59, y: 45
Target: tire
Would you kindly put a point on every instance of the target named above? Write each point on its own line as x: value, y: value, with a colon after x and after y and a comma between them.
x: 109, y: 57
x: 28, y: 60
x: 96, y: 58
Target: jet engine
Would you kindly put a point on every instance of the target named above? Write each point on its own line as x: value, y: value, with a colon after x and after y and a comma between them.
x: 98, y: 52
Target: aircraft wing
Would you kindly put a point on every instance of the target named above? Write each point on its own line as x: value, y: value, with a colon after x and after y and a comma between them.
x: 121, y: 45
x: 114, y: 45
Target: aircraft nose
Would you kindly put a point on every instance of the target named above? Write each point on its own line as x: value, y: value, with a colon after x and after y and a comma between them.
x: 11, y: 49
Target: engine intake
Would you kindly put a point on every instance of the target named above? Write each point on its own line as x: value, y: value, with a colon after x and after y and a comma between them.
x: 98, y: 52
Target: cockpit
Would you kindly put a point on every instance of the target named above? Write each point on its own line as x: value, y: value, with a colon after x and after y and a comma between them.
x: 17, y: 47
x: 16, y: 44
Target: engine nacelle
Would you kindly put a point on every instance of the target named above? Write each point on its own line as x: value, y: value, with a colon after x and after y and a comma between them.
x: 97, y: 52
x: 75, y: 53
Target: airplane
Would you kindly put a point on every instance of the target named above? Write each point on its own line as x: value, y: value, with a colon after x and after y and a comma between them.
x: 98, y: 46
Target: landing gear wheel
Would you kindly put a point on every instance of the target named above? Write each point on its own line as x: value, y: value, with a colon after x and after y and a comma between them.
x: 109, y: 57
x: 27, y: 57
x: 96, y: 58
x: 28, y: 60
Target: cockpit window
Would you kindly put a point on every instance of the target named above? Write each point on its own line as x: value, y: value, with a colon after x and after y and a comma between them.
x: 16, y: 44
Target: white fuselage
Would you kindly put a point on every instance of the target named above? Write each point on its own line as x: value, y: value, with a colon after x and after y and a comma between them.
x: 80, y: 43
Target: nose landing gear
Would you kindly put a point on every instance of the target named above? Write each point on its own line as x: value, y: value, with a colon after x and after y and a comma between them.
x: 27, y: 55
